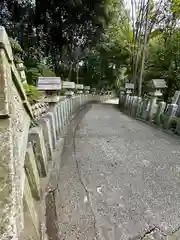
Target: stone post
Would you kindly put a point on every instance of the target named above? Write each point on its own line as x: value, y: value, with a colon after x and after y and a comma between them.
x: 170, y: 113
x: 131, y: 104
x: 152, y: 108
x: 159, y: 112
x: 133, y: 107
x: 21, y: 69
x: 126, y: 102
x: 178, y: 127
x: 145, y: 108
x: 138, y: 108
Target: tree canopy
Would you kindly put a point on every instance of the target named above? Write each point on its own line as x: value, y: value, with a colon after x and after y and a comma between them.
x: 96, y: 42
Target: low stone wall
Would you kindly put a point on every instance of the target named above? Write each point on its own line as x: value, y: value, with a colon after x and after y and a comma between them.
x: 42, y: 161
x: 31, y: 141
x: 147, y: 109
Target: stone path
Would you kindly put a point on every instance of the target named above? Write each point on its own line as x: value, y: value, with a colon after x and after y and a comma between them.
x: 119, y: 180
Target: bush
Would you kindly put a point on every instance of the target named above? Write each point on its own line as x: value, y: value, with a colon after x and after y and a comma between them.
x: 32, y: 93
x: 32, y: 75
x: 45, y: 71
x: 16, y: 47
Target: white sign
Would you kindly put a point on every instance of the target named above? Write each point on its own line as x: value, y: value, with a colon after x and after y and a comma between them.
x: 68, y: 85
x: 79, y: 86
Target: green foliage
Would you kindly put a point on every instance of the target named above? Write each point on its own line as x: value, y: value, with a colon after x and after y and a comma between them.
x: 32, y: 93
x: 163, y: 60
x: 32, y: 75
x: 175, y: 6
x: 45, y: 71
x: 16, y: 47
x: 104, y: 64
x: 35, y: 70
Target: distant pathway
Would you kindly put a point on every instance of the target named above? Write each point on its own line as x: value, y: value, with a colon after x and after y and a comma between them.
x: 119, y: 180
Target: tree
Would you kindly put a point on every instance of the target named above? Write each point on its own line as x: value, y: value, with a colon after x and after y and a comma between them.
x: 103, y: 64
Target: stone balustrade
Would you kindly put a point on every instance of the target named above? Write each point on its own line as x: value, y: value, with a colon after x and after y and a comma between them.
x: 149, y: 110
x: 38, y: 109
x: 29, y: 155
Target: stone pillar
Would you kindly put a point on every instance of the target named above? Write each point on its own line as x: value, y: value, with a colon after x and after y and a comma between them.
x: 159, y: 112
x: 21, y: 69
x: 170, y: 113
x: 133, y: 106
x: 145, y: 108
x: 126, y: 102
x: 177, y: 131
x: 152, y: 108
x: 138, y: 107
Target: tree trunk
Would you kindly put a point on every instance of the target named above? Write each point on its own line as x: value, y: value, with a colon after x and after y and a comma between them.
x: 144, y: 52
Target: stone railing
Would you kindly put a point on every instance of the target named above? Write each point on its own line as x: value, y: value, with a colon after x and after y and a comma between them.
x: 38, y: 109
x: 30, y: 155
x: 147, y: 109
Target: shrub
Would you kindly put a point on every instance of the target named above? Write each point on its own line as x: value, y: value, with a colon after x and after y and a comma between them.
x: 32, y: 75
x: 16, y: 47
x: 32, y: 92
x: 45, y: 71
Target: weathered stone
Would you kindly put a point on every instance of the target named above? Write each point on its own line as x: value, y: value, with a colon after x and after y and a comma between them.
x: 32, y: 172
x: 31, y: 220
x: 37, y: 140
x: 63, y: 113
x: 50, y: 117
x: 176, y: 97
x: 170, y: 113
x: 61, y: 116
x: 145, y: 108
x: 152, y: 108
x: 56, y: 121
x: 46, y: 128
x: 133, y: 107
x: 5, y: 44
x: 159, y: 112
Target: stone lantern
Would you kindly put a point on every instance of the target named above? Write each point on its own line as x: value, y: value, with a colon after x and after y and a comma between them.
x: 86, y: 89
x: 155, y: 88
x: 129, y: 88
x: 49, y: 87
x: 20, y: 67
x: 93, y: 91
x: 122, y: 90
x: 69, y: 87
x: 79, y: 88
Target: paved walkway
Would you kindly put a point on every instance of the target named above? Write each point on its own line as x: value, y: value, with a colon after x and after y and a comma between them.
x: 119, y: 180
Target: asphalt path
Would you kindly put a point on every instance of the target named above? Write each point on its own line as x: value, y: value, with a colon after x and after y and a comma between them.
x: 119, y: 179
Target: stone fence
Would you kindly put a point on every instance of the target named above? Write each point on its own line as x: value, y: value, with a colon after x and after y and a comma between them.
x: 28, y: 153
x: 148, y: 109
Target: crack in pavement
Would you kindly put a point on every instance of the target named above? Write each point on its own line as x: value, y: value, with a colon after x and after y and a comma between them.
x: 149, y: 232
x: 82, y: 183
